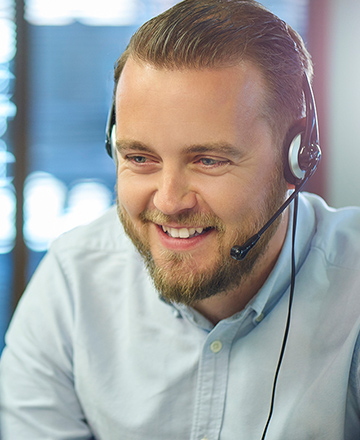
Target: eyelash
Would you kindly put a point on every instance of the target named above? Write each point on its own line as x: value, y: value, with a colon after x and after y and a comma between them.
x: 215, y: 162
x: 134, y: 159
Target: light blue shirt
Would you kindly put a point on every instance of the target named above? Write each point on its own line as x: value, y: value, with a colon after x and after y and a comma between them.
x: 92, y: 351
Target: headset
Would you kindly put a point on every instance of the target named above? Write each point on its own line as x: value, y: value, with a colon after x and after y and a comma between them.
x: 301, y: 157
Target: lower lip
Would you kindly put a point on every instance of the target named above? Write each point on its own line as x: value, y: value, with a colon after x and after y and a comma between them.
x: 182, y: 244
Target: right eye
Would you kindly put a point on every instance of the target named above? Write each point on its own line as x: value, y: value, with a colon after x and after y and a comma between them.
x: 137, y: 159
x: 141, y: 163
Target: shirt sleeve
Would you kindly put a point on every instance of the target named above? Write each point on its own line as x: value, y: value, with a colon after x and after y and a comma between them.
x: 37, y: 387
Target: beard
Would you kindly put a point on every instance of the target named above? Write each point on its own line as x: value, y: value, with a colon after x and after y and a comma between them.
x: 176, y: 275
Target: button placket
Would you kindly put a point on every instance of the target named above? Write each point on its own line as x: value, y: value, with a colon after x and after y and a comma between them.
x: 212, y: 380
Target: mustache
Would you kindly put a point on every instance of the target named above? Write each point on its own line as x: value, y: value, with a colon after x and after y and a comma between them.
x: 199, y: 220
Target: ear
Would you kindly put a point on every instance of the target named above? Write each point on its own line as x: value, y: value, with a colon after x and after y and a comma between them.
x: 291, y: 186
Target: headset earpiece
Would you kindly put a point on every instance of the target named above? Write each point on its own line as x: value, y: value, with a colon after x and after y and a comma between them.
x: 300, y: 160
x: 292, y: 146
x: 110, y: 132
x: 301, y: 147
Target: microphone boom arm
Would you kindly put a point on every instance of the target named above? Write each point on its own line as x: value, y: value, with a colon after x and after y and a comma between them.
x: 240, y: 252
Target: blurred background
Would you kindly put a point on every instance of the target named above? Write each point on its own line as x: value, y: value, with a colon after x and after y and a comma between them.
x: 56, y: 67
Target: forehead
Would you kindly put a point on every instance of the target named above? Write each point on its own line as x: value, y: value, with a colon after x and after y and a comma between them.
x: 190, y: 105
x: 243, y: 80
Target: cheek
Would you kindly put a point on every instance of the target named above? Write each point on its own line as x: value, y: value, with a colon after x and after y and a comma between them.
x: 132, y: 195
x: 231, y: 202
x: 248, y: 195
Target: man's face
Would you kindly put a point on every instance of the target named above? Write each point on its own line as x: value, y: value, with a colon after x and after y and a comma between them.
x: 198, y: 172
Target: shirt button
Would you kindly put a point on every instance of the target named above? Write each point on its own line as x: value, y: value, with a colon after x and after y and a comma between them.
x: 259, y: 318
x: 216, y: 346
x: 176, y: 313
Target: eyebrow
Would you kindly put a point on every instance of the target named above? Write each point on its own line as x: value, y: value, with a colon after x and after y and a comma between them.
x: 214, y: 147
x: 124, y: 145
x: 129, y: 145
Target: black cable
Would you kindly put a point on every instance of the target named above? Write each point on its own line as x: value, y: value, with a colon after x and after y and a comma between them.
x: 288, y: 319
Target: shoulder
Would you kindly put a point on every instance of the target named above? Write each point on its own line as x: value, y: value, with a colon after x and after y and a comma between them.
x: 97, y: 250
x: 104, y: 234
x: 87, y: 272
x: 337, y: 231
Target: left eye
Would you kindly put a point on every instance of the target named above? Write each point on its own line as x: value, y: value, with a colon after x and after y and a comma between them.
x: 209, y: 162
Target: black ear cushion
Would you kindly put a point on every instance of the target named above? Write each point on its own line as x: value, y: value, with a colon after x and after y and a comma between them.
x: 292, y: 144
x: 110, y: 124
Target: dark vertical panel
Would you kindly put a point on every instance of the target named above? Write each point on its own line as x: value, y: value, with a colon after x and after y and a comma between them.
x: 20, y: 146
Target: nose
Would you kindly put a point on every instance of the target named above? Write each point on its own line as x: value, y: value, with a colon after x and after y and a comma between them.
x: 173, y: 194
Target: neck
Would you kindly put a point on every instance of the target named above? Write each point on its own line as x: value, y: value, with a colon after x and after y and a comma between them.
x: 226, y: 304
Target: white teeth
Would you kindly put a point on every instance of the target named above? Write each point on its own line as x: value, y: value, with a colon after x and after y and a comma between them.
x: 183, y: 232
x: 174, y: 232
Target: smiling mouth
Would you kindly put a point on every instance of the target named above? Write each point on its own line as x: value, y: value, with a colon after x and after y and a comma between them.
x: 184, y: 232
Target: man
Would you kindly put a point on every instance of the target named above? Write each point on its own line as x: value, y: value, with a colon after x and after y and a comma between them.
x: 205, y: 95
